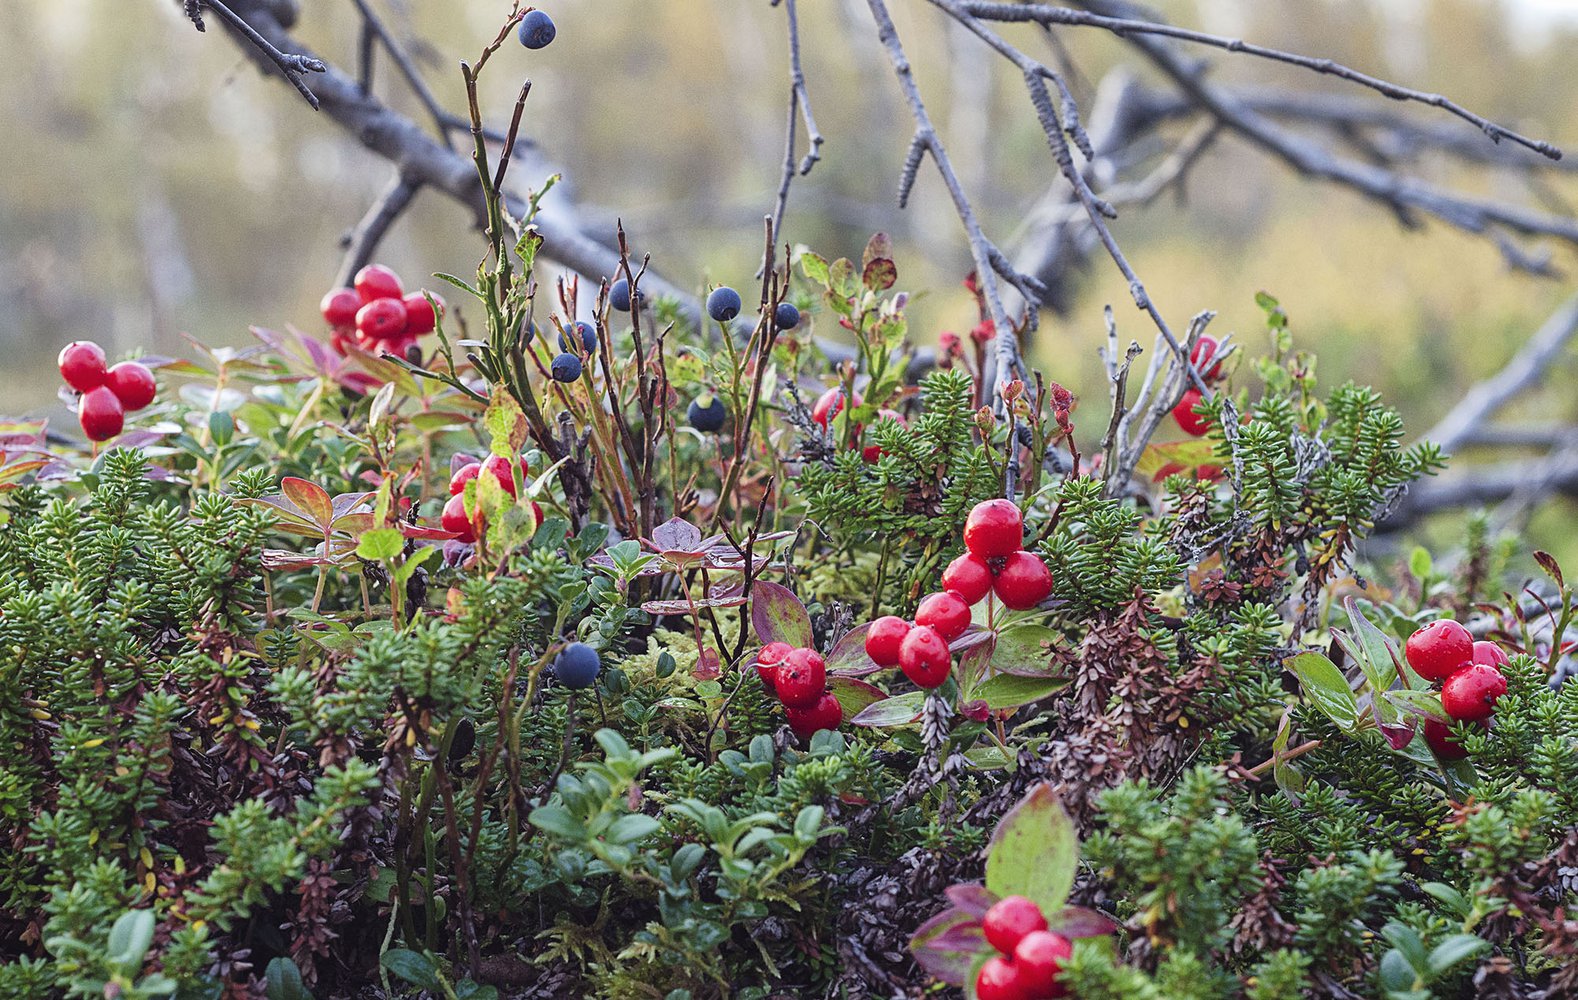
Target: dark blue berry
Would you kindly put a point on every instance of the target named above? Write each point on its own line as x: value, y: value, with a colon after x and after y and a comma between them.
x: 723, y: 304
x: 537, y: 30
x: 577, y: 666
x: 566, y: 368
x: 786, y: 316
x: 619, y: 295
x: 707, y: 418
x: 588, y: 334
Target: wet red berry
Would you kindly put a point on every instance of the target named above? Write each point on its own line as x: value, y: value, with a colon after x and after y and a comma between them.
x: 419, y: 315
x: 884, y: 638
x: 1023, y: 582
x: 382, y: 319
x: 946, y: 612
x: 994, y: 528
x: 1009, y: 920
x: 924, y: 657
x: 1040, y: 956
x: 101, y: 415
x: 1192, y: 423
x: 769, y: 658
x: 499, y: 468
x: 463, y: 475
x: 82, y: 365
x: 132, y: 384
x: 339, y: 306
x: 830, y: 404
x: 824, y: 713
x: 1439, y: 735
x: 802, y: 678
x: 1470, y: 694
x: 1439, y: 649
x: 968, y: 576
x: 375, y: 282
x: 455, y: 519
x: 1490, y: 654
x: 999, y: 979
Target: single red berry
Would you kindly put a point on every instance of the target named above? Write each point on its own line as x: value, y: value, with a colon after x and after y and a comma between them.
x: 1040, y: 956
x: 870, y: 453
x: 1439, y: 735
x: 1009, y: 920
x: 399, y: 346
x: 463, y: 475
x: 924, y: 657
x: 382, y: 319
x: 802, y: 678
x: 769, y: 658
x: 455, y: 519
x: 824, y: 713
x: 499, y: 468
x: 132, y: 384
x: 375, y: 282
x: 946, y: 612
x: 994, y: 528
x: 999, y: 979
x: 419, y: 315
x: 1204, y: 350
x: 830, y: 404
x: 82, y: 365
x: 1490, y: 654
x: 884, y: 638
x: 342, y: 337
x: 339, y: 306
x: 1023, y: 582
x: 1470, y: 694
x: 1192, y: 423
x: 968, y: 576
x: 1439, y: 649
x: 101, y: 414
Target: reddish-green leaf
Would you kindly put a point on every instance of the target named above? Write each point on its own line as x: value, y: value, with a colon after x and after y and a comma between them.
x: 854, y: 696
x: 1034, y: 851
x: 311, y: 499
x: 778, y: 616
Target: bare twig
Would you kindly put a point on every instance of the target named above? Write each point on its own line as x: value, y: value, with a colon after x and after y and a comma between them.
x: 290, y: 64
x: 799, y: 106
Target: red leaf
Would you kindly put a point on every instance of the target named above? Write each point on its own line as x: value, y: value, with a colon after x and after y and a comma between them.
x: 311, y: 499
x: 778, y: 616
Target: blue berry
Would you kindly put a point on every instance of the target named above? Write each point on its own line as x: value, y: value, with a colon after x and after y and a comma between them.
x: 588, y: 334
x: 566, y: 368
x: 577, y: 666
x: 619, y: 295
x: 786, y: 316
x: 537, y: 30
x: 707, y: 418
x: 723, y: 304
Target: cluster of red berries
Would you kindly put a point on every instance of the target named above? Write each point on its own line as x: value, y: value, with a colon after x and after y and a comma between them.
x: 376, y: 314
x: 799, y: 678
x: 1192, y: 423
x: 994, y: 563
x: 454, y: 517
x: 831, y: 403
x: 1470, y: 676
x: 107, y: 391
x: 1031, y: 956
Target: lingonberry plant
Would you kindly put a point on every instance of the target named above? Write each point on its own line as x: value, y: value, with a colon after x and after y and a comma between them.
x: 607, y: 645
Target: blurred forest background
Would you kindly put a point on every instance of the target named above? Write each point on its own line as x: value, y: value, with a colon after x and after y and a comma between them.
x: 155, y: 184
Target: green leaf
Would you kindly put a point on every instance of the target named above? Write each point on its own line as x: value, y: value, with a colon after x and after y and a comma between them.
x: 814, y: 268
x: 1013, y: 690
x: 380, y: 544
x: 1422, y: 702
x: 282, y: 981
x: 129, y: 939
x: 1024, y: 649
x: 1327, y: 689
x: 1034, y: 851
x: 414, y: 967
x: 1455, y: 949
x: 1449, y: 897
x: 854, y: 696
x: 1395, y: 973
x: 778, y: 616
x: 902, y: 710
x: 558, y: 821
x: 1419, y: 563
x: 629, y: 829
x: 1406, y: 940
x: 468, y: 990
x: 505, y: 422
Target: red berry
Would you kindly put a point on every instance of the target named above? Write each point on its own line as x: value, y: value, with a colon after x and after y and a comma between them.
x: 946, y: 612
x: 1439, y: 735
x: 802, y: 678
x: 999, y: 979
x: 768, y: 659
x: 870, y: 453
x: 830, y: 404
x: 1490, y: 654
x: 375, y: 282
x: 924, y: 657
x: 1009, y: 920
x: 399, y: 346
x: 82, y: 365
x: 382, y: 319
x: 132, y: 384
x: 1439, y: 649
x: 341, y: 338
x: 1193, y: 424
x: 462, y: 476
x: 969, y: 577
x: 100, y: 414
x: 420, y: 317
x: 499, y: 468
x: 1040, y: 956
x: 994, y: 528
x: 1470, y: 694
x: 1200, y: 357
x: 339, y: 306
x: 824, y: 713
x: 884, y: 638
x: 455, y: 519
x: 1023, y: 582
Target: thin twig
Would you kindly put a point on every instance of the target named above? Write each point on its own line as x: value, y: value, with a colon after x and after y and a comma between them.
x: 799, y: 106
x: 293, y: 66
